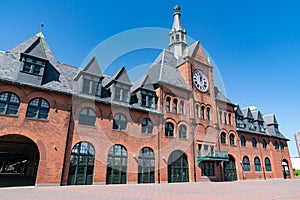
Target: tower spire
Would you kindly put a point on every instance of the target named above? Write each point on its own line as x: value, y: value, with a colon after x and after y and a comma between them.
x: 177, y: 35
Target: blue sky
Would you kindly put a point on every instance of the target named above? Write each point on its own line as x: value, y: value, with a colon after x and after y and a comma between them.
x: 255, y: 44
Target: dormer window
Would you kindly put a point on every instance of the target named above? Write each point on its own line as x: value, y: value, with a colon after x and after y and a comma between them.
x: 91, y: 85
x: 261, y: 127
x: 251, y: 125
x: 276, y: 129
x: 239, y: 122
x: 147, y: 99
x: 33, y: 66
x: 121, y: 93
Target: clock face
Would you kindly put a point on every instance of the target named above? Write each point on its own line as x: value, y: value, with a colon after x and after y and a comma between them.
x: 200, y: 80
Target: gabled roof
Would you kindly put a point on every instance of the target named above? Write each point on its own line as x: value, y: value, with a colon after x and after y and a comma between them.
x: 58, y: 76
x: 238, y: 111
x: 256, y: 114
x: 247, y: 113
x: 144, y: 83
x: 164, y: 70
x: 270, y: 119
x: 120, y: 76
x: 197, y: 52
x: 93, y: 67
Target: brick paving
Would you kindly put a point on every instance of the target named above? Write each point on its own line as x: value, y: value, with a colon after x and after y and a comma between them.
x: 273, y: 190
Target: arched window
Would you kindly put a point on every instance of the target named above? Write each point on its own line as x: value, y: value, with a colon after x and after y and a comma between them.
x: 281, y: 146
x: 264, y: 144
x: 182, y: 107
x: 208, y: 113
x: 257, y: 164
x: 254, y: 143
x: 169, y: 129
x: 81, y: 169
x: 202, y: 112
x: 178, y: 167
x: 276, y: 145
x: 146, y: 164
x: 223, y: 138
x: 268, y: 165
x: 38, y: 108
x: 120, y: 122
x: 147, y: 126
x: 225, y: 118
x: 9, y: 103
x: 87, y: 117
x: 246, y: 164
x: 197, y: 111
x: 117, y: 165
x: 220, y: 113
x: 232, y: 142
x: 243, y: 141
x: 182, y: 131
x: 168, y: 104
x: 175, y: 102
x: 229, y: 119
x: 177, y: 37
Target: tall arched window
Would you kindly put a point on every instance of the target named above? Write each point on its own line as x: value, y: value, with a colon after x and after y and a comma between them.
x: 182, y: 131
x: 197, y: 111
x: 268, y: 165
x: 208, y: 113
x: 229, y: 119
x: 220, y: 115
x: 257, y: 164
x: 87, y: 117
x: 243, y: 141
x: 254, y: 143
x: 225, y: 118
x: 223, y: 138
x: 168, y: 104
x: 169, y: 129
x: 246, y: 164
x: 38, y: 108
x: 146, y: 164
x: 175, y: 104
x: 117, y: 165
x: 202, y: 112
x: 147, y: 126
x: 281, y: 146
x: 182, y: 107
x: 81, y: 171
x: 276, y: 145
x: 264, y: 144
x: 120, y: 122
x: 232, y: 142
x: 9, y: 103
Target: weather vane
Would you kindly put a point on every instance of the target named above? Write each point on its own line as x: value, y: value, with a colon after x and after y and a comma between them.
x: 42, y: 26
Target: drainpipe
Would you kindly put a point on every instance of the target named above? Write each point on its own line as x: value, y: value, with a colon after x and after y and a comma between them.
x: 66, y: 147
x: 263, y: 168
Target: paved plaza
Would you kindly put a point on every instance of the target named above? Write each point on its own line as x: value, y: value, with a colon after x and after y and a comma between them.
x: 275, y: 189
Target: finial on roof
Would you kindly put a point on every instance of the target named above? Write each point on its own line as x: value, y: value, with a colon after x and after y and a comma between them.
x: 177, y: 10
x: 40, y: 34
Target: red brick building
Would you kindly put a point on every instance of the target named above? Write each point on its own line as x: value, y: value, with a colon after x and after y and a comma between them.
x: 62, y: 125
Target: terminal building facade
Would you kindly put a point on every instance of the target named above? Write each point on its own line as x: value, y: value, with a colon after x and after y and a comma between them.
x: 62, y: 125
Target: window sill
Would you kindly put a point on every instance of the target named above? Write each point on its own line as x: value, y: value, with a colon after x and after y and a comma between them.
x: 117, y: 130
x: 87, y: 126
x: 37, y: 119
x: 8, y: 115
x: 170, y: 137
x: 209, y: 177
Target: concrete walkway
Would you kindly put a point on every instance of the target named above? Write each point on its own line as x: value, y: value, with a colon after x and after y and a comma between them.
x: 275, y: 189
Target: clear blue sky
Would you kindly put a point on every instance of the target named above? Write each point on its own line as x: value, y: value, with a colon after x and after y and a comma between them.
x: 255, y: 44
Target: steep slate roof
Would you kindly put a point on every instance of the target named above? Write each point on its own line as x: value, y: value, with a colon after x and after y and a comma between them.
x: 221, y: 97
x: 268, y: 120
x: 120, y: 76
x: 164, y: 71
x: 58, y: 77
x: 144, y: 83
x: 247, y: 113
